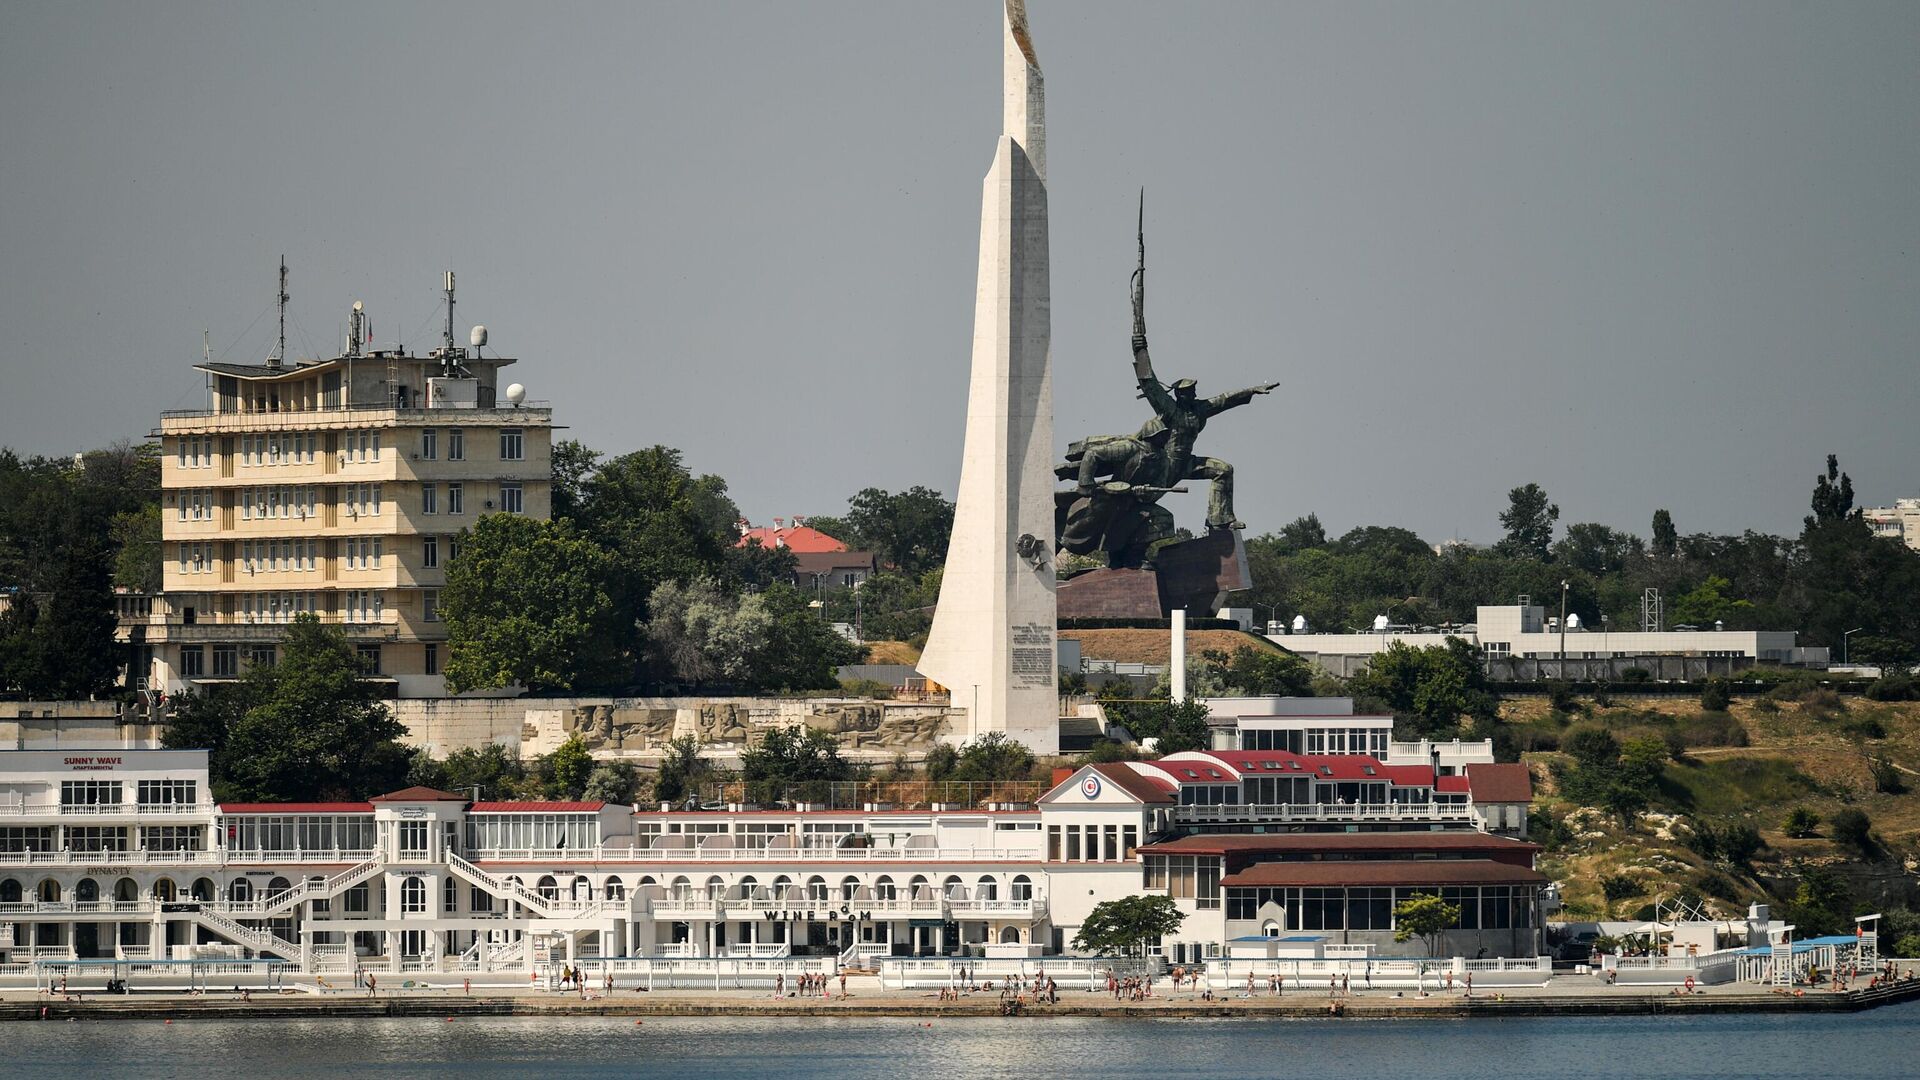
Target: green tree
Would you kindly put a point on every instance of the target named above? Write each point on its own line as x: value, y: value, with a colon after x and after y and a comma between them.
x: 1301, y: 534
x: 793, y: 762
x: 942, y: 761
x: 1428, y: 689
x: 135, y: 536
x: 1832, y: 495
x: 701, y: 635
x: 682, y: 771
x: 756, y: 566
x: 1528, y: 520
x: 907, y: 531
x: 573, y: 463
x: 1854, y: 829
x: 304, y: 729
x: 1597, y: 549
x: 1801, y: 823
x: 569, y: 766
x: 1264, y: 672
x: 991, y: 758
x: 1717, y: 695
x: 613, y: 782
x: 1820, y: 904
x: 1666, y: 539
x: 532, y: 603
x: 1128, y: 926
x: 492, y: 770
x: 658, y: 522
x: 1427, y: 917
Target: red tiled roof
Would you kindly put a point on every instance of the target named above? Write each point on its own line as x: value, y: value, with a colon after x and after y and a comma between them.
x: 296, y: 808
x: 418, y: 794
x: 1147, y: 789
x: 1386, y: 872
x: 1261, y: 843
x: 1243, y: 763
x: 1508, y: 782
x: 1456, y: 782
x: 535, y: 807
x: 796, y: 538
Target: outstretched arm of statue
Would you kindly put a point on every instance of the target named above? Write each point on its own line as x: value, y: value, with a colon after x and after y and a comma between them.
x: 1223, y: 402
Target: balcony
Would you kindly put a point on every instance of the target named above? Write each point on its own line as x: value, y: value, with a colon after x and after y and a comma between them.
x: 108, y: 858
x: 775, y: 855
x: 1318, y: 813
x: 22, y: 808
x: 200, y: 421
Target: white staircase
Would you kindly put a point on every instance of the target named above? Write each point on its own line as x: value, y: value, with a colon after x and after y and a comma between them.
x: 308, y: 889
x: 257, y: 940
x: 501, y: 888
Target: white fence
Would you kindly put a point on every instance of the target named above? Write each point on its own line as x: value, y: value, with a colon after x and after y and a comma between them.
x: 1412, y: 973
x: 1069, y: 972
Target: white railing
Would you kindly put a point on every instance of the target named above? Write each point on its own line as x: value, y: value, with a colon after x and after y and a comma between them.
x: 808, y: 906
x: 79, y: 907
x: 1283, y: 812
x: 259, y: 940
x: 22, y: 808
x: 1013, y: 909
x: 500, y: 887
x: 1068, y: 972
x: 298, y: 855
x: 756, y: 855
x: 111, y: 858
x: 761, y: 950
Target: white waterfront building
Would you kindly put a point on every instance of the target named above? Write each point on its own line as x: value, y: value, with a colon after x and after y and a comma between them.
x: 120, y: 854
x: 1523, y: 631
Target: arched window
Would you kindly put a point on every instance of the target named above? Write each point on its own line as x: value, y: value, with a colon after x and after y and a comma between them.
x: 126, y: 890
x: 203, y: 889
x: 9, y: 891
x: 817, y: 889
x: 716, y: 887
x: 614, y: 889
x: 1270, y: 928
x: 1009, y: 935
x: 413, y: 896
x: 240, y: 890
x: 681, y: 888
x: 954, y: 887
x: 582, y: 888
x: 848, y: 886
x: 1022, y: 887
x: 986, y: 889
x: 48, y: 892
x: 165, y: 891
x: 919, y: 882
x: 548, y: 888
x: 645, y: 880
x: 883, y: 888
x: 277, y: 886
x: 781, y: 885
x: 86, y: 891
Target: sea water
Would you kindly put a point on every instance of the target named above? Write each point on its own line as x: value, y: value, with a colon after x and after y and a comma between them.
x: 1885, y: 1042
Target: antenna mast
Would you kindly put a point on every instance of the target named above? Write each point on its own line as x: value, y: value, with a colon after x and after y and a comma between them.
x: 280, y: 352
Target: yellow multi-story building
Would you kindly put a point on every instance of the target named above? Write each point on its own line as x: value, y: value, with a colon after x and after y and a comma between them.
x: 338, y: 487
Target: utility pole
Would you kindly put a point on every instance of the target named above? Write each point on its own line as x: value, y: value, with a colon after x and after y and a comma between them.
x: 1563, y: 627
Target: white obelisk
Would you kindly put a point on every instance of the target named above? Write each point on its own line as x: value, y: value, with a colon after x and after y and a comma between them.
x: 992, y: 643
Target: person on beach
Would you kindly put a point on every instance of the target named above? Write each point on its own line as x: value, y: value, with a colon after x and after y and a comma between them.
x: 843, y: 984
x: 466, y: 985
x: 370, y: 984
x: 780, y: 984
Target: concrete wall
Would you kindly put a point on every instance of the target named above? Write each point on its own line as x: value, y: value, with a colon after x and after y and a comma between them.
x: 642, y: 727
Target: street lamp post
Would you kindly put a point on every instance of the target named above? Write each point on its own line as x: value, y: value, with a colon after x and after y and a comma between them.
x: 1563, y: 627
x: 1845, y: 657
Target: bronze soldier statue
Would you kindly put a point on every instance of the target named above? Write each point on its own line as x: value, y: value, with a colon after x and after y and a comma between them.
x: 1121, y: 516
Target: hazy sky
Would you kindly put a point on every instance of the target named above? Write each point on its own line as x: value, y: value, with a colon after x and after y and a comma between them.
x: 1643, y: 254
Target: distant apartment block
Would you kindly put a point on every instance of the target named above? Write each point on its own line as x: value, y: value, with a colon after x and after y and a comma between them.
x: 338, y: 487
x: 1901, y: 521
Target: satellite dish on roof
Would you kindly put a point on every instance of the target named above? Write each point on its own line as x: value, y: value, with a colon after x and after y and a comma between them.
x: 516, y: 393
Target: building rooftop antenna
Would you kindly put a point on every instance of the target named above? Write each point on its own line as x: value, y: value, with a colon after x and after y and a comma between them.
x: 280, y: 351
x: 450, y: 354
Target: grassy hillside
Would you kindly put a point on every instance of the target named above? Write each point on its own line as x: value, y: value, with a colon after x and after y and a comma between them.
x: 1751, y: 765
